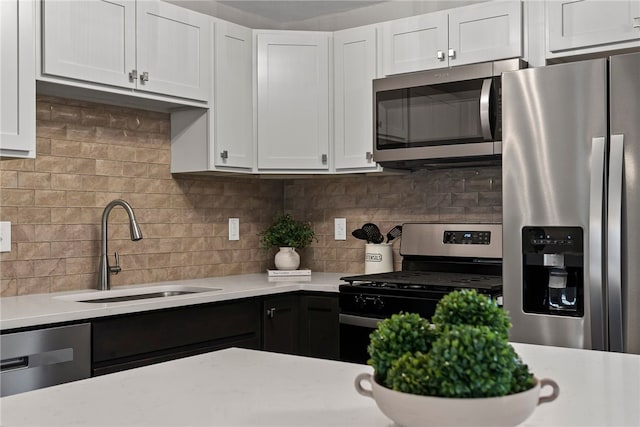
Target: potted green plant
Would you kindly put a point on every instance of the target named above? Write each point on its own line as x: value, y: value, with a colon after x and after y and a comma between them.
x: 288, y: 234
x: 457, y: 370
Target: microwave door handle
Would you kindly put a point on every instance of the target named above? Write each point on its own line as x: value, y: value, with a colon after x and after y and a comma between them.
x: 485, y: 101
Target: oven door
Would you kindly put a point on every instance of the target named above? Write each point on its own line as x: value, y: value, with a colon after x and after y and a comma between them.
x: 354, y: 337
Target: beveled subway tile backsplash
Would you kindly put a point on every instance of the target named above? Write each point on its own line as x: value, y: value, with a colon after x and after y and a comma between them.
x: 89, y: 154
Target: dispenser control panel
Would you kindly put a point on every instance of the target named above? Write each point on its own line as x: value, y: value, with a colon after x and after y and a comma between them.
x: 466, y: 237
x: 552, y: 239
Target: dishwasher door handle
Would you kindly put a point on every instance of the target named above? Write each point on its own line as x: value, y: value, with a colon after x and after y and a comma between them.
x: 14, y: 363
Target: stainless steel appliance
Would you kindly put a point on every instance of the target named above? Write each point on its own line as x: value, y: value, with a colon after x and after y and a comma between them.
x: 571, y: 203
x: 44, y: 357
x: 437, y: 259
x: 440, y: 116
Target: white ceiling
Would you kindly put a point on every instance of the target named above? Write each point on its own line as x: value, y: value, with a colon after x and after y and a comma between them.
x: 320, y: 15
x: 298, y: 10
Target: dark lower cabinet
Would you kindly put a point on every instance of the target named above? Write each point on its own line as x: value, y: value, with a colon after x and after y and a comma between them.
x: 295, y: 323
x: 304, y: 324
x: 134, y: 340
x: 281, y: 316
x: 319, y: 326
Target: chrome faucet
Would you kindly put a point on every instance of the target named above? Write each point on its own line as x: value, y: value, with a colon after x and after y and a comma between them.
x: 104, y: 281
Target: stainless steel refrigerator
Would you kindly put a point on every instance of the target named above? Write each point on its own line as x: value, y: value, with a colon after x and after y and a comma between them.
x: 571, y: 203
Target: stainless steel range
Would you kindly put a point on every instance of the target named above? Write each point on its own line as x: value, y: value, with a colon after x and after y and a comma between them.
x: 436, y: 259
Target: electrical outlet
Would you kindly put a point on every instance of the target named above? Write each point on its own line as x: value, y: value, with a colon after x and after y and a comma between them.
x: 5, y: 236
x: 340, y: 228
x: 234, y: 228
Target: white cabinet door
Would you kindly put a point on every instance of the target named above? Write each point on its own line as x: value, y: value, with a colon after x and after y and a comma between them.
x: 355, y: 65
x: 173, y: 48
x: 92, y: 41
x: 585, y: 23
x: 293, y: 101
x: 415, y: 43
x: 485, y: 32
x: 17, y: 80
x: 232, y: 110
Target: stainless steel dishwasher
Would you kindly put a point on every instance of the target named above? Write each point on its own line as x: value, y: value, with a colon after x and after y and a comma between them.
x: 44, y: 357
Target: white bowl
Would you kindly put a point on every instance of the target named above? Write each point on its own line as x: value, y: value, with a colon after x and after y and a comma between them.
x: 412, y: 410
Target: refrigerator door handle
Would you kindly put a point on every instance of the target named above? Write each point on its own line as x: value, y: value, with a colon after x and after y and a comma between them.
x: 596, y: 245
x: 614, y: 243
x: 485, y: 107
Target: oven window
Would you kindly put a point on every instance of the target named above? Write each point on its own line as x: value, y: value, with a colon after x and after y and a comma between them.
x: 429, y: 115
x: 354, y: 341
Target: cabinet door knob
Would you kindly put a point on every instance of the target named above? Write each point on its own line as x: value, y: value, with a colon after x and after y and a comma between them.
x: 224, y: 155
x: 133, y: 74
x: 452, y: 53
x: 271, y: 312
x: 144, y: 77
x: 440, y: 55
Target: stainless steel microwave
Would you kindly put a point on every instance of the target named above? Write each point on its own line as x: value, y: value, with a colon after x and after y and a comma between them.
x: 440, y: 117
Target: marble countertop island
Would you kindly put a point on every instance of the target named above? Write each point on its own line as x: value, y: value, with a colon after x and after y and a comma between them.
x: 237, y: 387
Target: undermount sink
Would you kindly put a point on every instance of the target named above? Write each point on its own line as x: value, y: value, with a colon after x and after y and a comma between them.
x: 137, y: 294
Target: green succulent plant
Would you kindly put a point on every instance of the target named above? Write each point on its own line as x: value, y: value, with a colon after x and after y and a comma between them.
x: 288, y: 232
x: 399, y: 334
x: 468, y: 307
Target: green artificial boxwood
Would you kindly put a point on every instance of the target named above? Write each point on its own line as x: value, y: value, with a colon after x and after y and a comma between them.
x: 399, y: 334
x: 468, y: 307
x: 467, y: 354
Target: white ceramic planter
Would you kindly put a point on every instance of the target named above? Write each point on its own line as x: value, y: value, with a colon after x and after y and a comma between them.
x: 287, y: 259
x: 412, y: 410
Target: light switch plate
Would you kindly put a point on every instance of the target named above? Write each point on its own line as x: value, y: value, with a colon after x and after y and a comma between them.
x: 234, y: 228
x: 340, y: 228
x: 5, y: 236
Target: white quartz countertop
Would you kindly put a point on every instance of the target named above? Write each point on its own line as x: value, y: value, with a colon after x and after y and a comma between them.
x: 43, y: 309
x: 237, y: 387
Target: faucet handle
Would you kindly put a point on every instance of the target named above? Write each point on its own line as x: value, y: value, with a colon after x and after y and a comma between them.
x: 116, y: 268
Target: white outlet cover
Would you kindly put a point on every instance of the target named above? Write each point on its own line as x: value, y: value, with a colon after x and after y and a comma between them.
x: 340, y: 229
x: 5, y: 236
x: 234, y: 228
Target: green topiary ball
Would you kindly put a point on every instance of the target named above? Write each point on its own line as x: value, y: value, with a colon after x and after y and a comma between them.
x: 468, y: 307
x: 409, y: 374
x: 522, y: 378
x: 471, y: 361
x: 399, y: 334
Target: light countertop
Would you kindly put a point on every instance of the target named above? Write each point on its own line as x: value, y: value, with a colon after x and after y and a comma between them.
x: 43, y: 309
x: 237, y: 387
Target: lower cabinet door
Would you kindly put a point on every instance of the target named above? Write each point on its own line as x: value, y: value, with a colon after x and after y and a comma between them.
x: 281, y: 324
x: 319, y: 327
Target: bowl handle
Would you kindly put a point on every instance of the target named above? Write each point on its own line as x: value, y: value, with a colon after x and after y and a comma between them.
x: 554, y: 394
x: 358, y: 383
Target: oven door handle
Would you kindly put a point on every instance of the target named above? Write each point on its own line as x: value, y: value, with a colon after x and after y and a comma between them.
x: 366, y: 322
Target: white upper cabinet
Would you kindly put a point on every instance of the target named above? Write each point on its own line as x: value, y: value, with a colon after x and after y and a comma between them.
x: 588, y: 23
x: 293, y: 101
x: 147, y: 45
x: 355, y: 67
x: 17, y: 80
x: 89, y: 40
x: 415, y: 43
x: 477, y: 33
x: 485, y: 32
x: 232, y: 113
x: 220, y: 138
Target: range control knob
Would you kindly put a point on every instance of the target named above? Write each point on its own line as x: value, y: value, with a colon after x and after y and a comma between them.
x: 360, y: 301
x: 378, y: 304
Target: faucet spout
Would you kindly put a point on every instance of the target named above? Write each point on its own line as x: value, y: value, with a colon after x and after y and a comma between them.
x: 104, y: 279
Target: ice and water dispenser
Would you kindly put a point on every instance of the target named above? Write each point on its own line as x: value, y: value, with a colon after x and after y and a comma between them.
x: 553, y: 273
